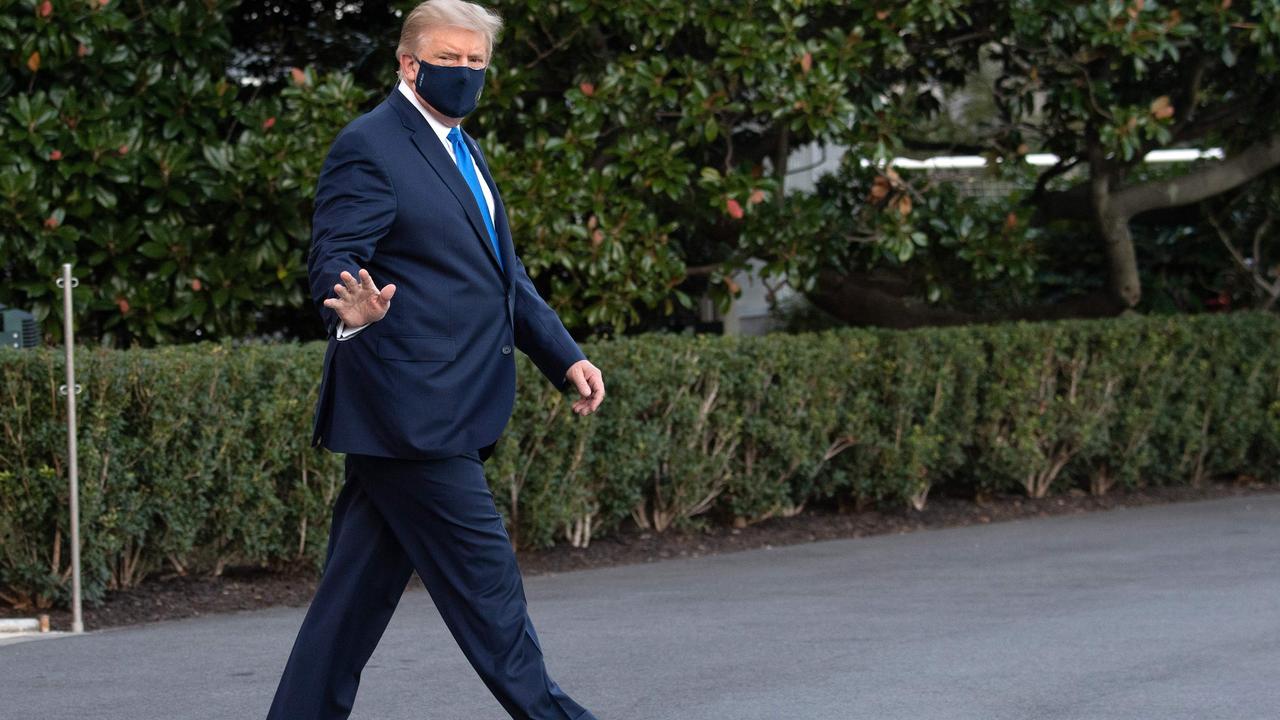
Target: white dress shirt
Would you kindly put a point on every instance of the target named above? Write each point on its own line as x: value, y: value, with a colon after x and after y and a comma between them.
x: 442, y: 131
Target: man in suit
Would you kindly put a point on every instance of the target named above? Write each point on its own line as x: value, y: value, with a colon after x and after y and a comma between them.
x: 417, y: 390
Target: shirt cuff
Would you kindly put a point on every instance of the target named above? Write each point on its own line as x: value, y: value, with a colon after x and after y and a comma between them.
x: 345, y: 332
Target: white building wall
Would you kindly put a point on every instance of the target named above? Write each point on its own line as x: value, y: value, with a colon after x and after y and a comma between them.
x: 749, y: 313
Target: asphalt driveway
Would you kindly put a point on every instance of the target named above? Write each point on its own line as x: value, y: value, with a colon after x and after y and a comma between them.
x: 1163, y: 612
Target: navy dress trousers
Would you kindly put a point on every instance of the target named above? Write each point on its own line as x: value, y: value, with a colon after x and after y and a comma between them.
x: 417, y: 401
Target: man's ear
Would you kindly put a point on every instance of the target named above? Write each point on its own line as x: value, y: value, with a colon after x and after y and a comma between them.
x: 409, y: 69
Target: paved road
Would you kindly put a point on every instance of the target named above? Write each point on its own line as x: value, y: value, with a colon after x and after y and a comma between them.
x: 1157, y: 612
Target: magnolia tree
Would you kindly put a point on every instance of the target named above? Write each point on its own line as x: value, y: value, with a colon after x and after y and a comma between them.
x: 171, y: 149
x: 642, y: 138
x: 634, y: 141
x: 1098, y: 85
x: 182, y: 198
x: 645, y: 145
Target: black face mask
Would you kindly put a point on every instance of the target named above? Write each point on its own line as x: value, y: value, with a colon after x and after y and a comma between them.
x: 453, y: 90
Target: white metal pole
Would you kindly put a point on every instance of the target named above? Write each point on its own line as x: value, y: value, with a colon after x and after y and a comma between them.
x: 73, y: 471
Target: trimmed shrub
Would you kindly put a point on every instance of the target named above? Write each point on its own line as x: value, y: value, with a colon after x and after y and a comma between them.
x: 196, y: 457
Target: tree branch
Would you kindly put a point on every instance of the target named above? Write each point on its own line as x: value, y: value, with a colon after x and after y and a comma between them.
x: 1057, y: 169
x: 696, y: 270
x: 1254, y: 269
x: 544, y: 54
x: 1199, y: 184
x: 1221, y: 117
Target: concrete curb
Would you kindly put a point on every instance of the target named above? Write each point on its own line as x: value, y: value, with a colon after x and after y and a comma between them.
x: 13, y: 625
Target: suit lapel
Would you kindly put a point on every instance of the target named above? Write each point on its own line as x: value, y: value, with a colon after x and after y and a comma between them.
x: 428, y: 143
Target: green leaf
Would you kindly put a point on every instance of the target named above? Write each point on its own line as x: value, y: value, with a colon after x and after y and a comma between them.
x: 153, y: 250
x: 103, y: 196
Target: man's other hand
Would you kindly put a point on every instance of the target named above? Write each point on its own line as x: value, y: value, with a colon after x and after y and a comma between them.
x: 360, y: 303
x: 590, y: 385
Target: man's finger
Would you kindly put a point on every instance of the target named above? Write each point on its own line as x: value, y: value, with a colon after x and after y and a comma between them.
x: 349, y: 281
x: 340, y: 290
x: 583, y: 389
x: 366, y: 281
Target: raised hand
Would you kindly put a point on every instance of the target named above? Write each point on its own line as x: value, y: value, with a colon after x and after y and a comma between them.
x: 360, y: 303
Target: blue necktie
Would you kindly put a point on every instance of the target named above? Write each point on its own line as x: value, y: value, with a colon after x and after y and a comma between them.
x: 463, y: 157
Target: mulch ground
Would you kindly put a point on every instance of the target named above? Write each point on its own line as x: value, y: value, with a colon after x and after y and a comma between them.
x: 249, y: 588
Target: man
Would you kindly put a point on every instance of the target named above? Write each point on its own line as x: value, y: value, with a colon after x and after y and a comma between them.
x: 416, y: 390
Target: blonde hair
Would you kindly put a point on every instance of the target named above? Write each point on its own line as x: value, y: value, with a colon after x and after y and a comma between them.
x: 441, y: 13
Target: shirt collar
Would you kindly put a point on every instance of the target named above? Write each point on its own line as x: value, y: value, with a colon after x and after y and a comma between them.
x: 441, y: 129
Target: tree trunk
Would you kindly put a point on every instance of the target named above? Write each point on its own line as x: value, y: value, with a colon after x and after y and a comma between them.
x: 1113, y: 226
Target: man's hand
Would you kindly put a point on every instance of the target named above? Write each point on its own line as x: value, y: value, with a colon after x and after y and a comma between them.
x: 586, y: 378
x: 360, y: 303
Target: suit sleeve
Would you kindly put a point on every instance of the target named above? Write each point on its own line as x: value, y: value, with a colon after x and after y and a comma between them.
x: 355, y: 207
x: 539, y: 332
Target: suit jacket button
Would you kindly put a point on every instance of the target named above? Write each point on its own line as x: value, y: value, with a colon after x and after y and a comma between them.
x: 506, y: 349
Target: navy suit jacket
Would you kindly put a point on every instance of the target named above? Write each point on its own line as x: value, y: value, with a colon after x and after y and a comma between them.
x: 437, y: 375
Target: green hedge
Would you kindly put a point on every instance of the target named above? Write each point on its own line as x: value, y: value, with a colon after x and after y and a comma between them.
x: 195, y: 457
